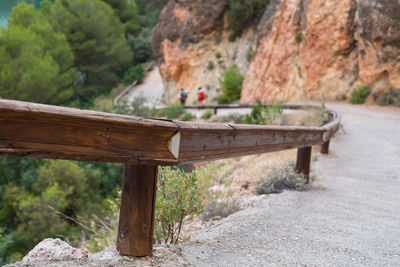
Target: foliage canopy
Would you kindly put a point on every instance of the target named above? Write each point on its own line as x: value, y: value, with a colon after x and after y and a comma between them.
x: 36, y: 61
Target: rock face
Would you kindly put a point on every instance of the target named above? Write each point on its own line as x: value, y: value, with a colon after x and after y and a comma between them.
x: 305, y: 49
x: 192, y: 49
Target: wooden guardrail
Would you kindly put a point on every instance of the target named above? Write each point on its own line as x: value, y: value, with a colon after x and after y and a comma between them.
x: 43, y: 131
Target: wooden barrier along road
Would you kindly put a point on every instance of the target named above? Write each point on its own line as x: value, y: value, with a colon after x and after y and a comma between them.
x: 43, y: 131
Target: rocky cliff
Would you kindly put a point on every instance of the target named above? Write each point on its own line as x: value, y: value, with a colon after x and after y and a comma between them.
x: 305, y: 49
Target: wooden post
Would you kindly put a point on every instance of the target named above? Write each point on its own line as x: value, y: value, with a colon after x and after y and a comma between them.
x: 136, y: 218
x: 325, y: 147
x: 215, y: 110
x: 303, y: 161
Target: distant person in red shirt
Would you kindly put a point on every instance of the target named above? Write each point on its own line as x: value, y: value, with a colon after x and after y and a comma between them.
x: 200, y: 95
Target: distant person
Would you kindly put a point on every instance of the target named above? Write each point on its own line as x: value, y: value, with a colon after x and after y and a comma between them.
x: 200, y: 95
x: 182, y: 96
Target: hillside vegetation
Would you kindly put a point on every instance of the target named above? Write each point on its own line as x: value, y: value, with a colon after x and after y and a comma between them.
x: 66, y: 53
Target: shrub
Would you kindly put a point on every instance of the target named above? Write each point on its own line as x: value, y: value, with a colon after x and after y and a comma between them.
x: 231, y: 85
x: 264, y: 115
x: 250, y: 54
x: 222, y: 209
x: 135, y: 108
x: 210, y: 65
x: 207, y: 114
x: 174, y: 111
x: 297, y: 37
x: 187, y: 116
x: 218, y: 55
x: 178, y: 195
x: 134, y: 73
x: 141, y: 47
x: 359, y: 94
x: 390, y: 98
x: 281, y: 179
x: 242, y: 14
x: 233, y: 117
x: 344, y: 97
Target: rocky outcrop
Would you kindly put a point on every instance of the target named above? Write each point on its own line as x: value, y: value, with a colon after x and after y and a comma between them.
x: 305, y: 49
x: 192, y: 49
x: 344, y: 43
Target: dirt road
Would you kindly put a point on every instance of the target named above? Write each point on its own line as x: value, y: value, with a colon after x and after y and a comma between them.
x: 351, y: 217
x: 152, y: 89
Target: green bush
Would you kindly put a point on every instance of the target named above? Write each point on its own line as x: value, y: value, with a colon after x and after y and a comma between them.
x: 134, y: 73
x: 174, y: 111
x: 243, y: 13
x: 250, y: 54
x: 218, y: 55
x: 232, y: 117
x: 178, y: 195
x: 359, y: 95
x: 187, y: 116
x: 207, y: 114
x: 389, y: 98
x: 210, y: 65
x: 297, y: 37
x: 264, y: 115
x: 231, y: 85
x: 141, y: 47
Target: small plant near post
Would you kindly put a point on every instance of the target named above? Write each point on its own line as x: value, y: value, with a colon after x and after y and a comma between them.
x: 178, y: 196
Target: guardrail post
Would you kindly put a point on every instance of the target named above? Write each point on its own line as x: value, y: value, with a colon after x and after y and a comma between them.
x: 303, y: 161
x: 325, y: 147
x: 215, y: 110
x: 136, y: 219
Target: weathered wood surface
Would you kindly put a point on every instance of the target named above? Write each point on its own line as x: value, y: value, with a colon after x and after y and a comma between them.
x: 235, y: 106
x: 204, y: 141
x: 325, y: 147
x: 44, y: 131
x: 34, y: 130
x: 304, y: 161
x: 136, y: 219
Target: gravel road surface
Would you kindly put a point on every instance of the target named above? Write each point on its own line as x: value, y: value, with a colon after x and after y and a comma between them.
x: 351, y: 217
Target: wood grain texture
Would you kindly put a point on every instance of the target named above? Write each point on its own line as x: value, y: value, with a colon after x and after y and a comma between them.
x: 35, y: 130
x: 201, y: 142
x: 136, y: 219
x: 304, y: 161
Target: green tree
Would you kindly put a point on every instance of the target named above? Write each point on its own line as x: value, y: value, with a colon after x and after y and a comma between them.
x: 134, y: 73
x: 141, y: 47
x: 97, y: 38
x: 149, y: 11
x: 127, y: 12
x: 231, y: 85
x: 36, y: 62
